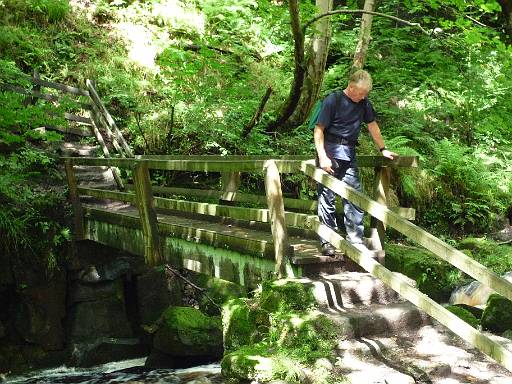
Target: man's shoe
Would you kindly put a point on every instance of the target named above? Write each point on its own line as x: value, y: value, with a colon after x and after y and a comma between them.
x: 328, y: 249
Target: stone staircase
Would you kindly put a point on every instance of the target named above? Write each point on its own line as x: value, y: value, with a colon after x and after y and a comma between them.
x: 90, y: 177
x: 383, y: 339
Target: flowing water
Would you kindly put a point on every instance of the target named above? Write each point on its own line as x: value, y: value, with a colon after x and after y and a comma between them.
x: 128, y: 371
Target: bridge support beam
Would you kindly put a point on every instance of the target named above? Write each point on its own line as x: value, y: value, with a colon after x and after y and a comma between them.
x: 147, y: 213
x: 75, y: 200
x: 276, y: 214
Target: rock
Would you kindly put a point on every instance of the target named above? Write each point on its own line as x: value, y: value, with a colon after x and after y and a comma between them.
x: 105, y: 317
x: 475, y: 293
x: 507, y: 334
x: 2, y: 330
x: 219, y: 290
x: 286, y: 294
x: 155, y: 294
x: 106, y: 350
x: 465, y: 315
x: 429, y: 272
x: 40, y: 312
x: 185, y: 331
x: 242, y: 324
x: 497, y: 316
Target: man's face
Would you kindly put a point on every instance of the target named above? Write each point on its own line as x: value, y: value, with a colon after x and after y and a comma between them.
x: 356, y: 93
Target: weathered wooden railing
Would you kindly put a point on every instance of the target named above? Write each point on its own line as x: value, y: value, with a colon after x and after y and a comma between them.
x: 230, y: 167
x: 89, y: 113
x: 280, y: 220
x: 438, y: 247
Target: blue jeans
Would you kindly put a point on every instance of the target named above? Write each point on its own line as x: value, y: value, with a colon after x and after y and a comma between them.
x: 353, y: 215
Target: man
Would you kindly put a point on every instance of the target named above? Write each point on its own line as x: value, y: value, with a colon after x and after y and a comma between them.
x: 336, y: 134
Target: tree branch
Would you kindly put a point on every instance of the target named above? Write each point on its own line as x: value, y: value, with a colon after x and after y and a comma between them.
x: 170, y: 270
x: 340, y: 11
x: 256, y: 118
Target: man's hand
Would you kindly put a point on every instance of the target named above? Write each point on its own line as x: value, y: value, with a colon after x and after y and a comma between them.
x: 326, y: 164
x: 390, y: 155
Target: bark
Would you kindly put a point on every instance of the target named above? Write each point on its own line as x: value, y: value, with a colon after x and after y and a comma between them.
x: 506, y: 9
x: 315, y: 68
x: 299, y: 72
x: 364, y: 35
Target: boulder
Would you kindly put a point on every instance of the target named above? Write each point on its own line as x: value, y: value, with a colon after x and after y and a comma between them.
x: 475, y: 293
x: 40, y: 312
x: 497, y: 316
x: 2, y: 330
x: 219, y: 290
x: 243, y: 323
x: 465, y: 315
x: 430, y: 273
x: 105, y: 317
x: 185, y: 332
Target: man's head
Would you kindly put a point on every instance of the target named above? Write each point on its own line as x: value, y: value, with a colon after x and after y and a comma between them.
x: 359, y: 85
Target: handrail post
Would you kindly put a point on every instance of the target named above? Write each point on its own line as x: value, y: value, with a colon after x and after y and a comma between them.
x: 95, y: 119
x: 230, y: 182
x: 75, y: 200
x: 146, y: 206
x: 381, y: 195
x: 276, y: 215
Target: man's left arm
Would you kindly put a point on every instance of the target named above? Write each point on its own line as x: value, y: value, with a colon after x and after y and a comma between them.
x: 374, y: 130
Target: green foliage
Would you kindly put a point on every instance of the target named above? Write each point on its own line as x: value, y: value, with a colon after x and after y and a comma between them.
x: 276, y: 335
x: 434, y: 277
x: 32, y: 229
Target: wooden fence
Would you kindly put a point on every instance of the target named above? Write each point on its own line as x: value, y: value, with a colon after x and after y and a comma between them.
x: 91, y: 115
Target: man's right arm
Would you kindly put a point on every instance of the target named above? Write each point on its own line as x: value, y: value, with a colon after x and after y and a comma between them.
x: 325, y: 162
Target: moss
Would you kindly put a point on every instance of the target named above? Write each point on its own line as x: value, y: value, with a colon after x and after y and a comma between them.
x: 243, y: 323
x: 286, y: 294
x: 219, y: 290
x: 275, y: 335
x: 497, y: 316
x: 185, y: 331
x: 434, y: 277
x: 465, y: 315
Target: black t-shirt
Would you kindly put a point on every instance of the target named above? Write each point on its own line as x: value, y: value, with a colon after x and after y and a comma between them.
x: 348, y: 117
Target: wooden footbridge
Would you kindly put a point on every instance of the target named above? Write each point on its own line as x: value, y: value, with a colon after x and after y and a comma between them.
x: 245, y: 237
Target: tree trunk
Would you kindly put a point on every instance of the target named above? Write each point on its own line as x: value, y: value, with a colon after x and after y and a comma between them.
x: 364, y: 35
x: 506, y: 9
x: 298, y: 76
x: 316, y: 60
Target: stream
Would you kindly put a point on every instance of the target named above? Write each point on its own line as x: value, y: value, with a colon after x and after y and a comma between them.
x: 127, y: 371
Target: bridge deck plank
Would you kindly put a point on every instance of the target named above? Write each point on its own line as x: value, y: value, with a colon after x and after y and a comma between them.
x: 212, y: 231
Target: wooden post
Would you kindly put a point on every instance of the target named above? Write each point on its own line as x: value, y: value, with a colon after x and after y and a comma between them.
x: 276, y: 215
x: 95, y: 118
x: 147, y: 213
x: 230, y: 182
x: 381, y: 195
x: 75, y: 200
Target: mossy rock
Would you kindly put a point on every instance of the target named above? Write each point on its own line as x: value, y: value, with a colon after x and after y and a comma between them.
x: 507, y: 334
x: 464, y: 314
x: 433, y: 277
x: 219, y: 291
x: 185, y: 331
x: 474, y: 244
x: 247, y: 363
x: 243, y: 323
x: 286, y: 294
x: 497, y: 316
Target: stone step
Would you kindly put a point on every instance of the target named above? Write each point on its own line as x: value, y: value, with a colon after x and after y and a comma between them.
x: 377, y: 319
x: 431, y: 354
x: 71, y: 149
x: 349, y: 289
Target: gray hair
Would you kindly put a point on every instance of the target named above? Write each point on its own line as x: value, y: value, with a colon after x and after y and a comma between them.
x: 361, y: 79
